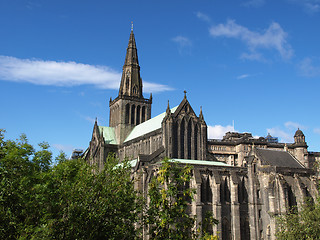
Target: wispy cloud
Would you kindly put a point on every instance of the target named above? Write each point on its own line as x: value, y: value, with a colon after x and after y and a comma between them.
x: 66, y: 74
x: 203, y: 17
x: 283, y: 135
x: 274, y: 37
x: 311, y: 6
x: 243, y: 76
x: 253, y: 56
x: 182, y: 41
x: 218, y: 131
x: 184, y: 44
x: 308, y: 68
x: 89, y: 119
x: 294, y: 125
x: 317, y: 130
x: 155, y: 87
x: 254, y: 3
x: 287, y: 132
x: 64, y: 148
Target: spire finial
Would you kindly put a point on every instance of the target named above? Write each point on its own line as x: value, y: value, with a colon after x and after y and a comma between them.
x: 185, y: 94
x: 201, y: 114
x: 131, y: 26
x: 168, y: 108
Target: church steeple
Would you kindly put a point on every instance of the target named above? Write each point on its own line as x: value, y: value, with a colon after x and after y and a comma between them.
x: 130, y: 108
x: 131, y: 83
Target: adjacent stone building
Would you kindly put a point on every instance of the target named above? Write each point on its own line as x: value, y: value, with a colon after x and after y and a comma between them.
x: 244, y: 181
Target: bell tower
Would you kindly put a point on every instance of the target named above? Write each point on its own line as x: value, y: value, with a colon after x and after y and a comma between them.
x: 130, y: 108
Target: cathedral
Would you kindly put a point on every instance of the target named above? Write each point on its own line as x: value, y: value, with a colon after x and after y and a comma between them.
x: 245, y: 182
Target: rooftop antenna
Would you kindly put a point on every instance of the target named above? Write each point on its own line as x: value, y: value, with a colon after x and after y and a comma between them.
x: 132, y: 26
x: 233, y: 125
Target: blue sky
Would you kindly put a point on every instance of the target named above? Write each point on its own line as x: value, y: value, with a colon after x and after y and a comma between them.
x: 255, y: 63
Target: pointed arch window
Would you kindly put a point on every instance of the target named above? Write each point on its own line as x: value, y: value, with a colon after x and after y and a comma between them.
x: 189, y: 131
x: 226, y: 191
x: 182, y: 129
x: 138, y: 115
x: 292, y: 201
x: 127, y: 113
x: 133, y: 111
x: 206, y: 192
x: 143, y: 114
x: 195, y: 149
x: 135, y: 90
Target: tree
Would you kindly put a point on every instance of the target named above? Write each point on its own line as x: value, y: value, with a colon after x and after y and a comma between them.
x: 68, y: 200
x: 300, y: 225
x: 87, y: 204
x: 169, y: 199
x: 20, y: 170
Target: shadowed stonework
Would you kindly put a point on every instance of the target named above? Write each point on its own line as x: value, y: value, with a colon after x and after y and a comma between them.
x: 244, y: 181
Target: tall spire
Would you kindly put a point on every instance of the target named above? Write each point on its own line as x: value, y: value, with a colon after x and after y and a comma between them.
x: 131, y: 83
x: 132, y: 55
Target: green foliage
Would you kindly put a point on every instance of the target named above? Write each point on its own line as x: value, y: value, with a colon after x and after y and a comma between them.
x: 168, y: 214
x: 302, y: 225
x: 87, y: 204
x: 68, y: 200
x: 71, y: 199
x: 20, y: 168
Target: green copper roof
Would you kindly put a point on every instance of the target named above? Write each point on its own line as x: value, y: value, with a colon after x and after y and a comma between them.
x: 131, y: 163
x: 200, y: 162
x: 108, y: 134
x: 148, y: 126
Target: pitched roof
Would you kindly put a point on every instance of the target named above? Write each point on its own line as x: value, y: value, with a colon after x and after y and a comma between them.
x: 200, y: 162
x: 109, y: 134
x: 277, y: 158
x: 134, y: 162
x: 147, y: 126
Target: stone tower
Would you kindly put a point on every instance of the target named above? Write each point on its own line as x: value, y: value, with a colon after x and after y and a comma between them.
x: 300, y: 148
x: 130, y: 108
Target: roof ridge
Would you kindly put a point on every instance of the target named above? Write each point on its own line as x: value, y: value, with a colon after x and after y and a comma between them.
x: 148, y: 126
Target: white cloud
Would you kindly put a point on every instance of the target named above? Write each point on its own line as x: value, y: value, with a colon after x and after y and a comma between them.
x: 89, y: 119
x: 293, y: 125
x: 243, y: 76
x: 286, y: 134
x: 155, y: 87
x: 218, y: 131
x: 182, y: 41
x: 274, y: 37
x: 253, y: 56
x: 56, y: 73
x: 311, y: 6
x: 308, y: 68
x: 283, y: 135
x: 203, y: 17
x: 184, y: 44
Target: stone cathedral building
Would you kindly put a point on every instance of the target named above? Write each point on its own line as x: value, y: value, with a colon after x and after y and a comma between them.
x: 244, y: 181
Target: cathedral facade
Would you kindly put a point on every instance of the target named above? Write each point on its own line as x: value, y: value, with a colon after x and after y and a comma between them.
x: 244, y: 182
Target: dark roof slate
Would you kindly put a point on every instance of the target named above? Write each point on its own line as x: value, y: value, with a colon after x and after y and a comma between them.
x: 277, y: 158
